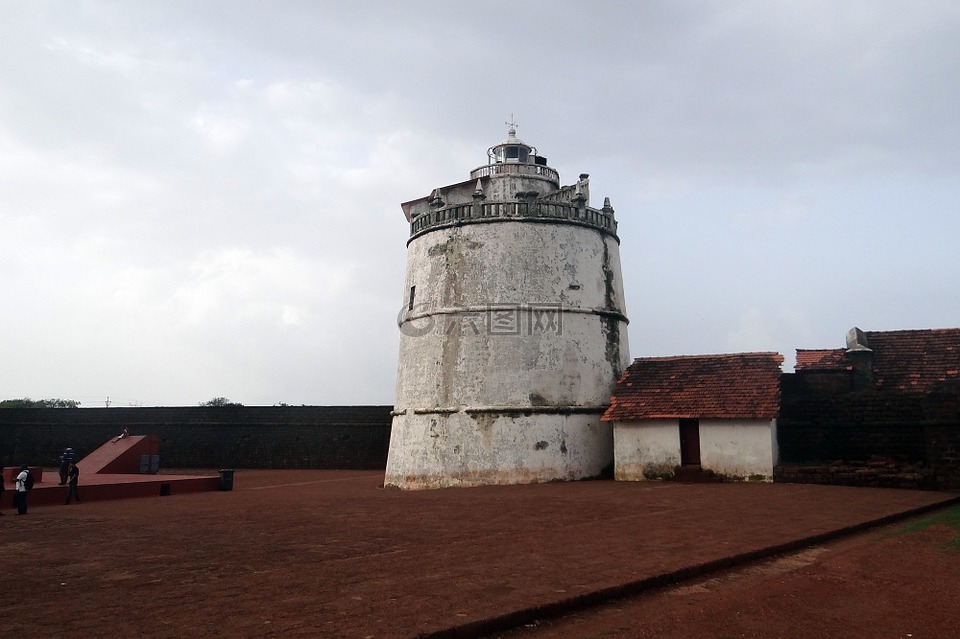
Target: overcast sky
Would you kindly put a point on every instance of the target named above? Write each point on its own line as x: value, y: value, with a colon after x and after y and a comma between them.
x: 202, y: 199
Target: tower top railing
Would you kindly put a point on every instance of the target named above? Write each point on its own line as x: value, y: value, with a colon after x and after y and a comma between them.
x: 478, y: 212
x: 504, y: 168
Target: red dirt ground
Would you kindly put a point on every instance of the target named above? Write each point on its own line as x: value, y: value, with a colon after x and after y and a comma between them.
x: 331, y: 554
x: 881, y: 583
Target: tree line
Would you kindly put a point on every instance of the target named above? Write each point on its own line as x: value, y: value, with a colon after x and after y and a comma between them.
x: 26, y: 402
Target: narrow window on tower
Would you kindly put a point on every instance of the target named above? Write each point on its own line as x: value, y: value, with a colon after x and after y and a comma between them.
x: 413, y: 291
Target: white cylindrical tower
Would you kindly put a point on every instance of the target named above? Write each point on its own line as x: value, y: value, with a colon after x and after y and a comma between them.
x: 513, y: 330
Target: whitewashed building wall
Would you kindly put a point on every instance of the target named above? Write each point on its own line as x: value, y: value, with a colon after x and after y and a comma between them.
x: 739, y: 448
x: 646, y: 449
x: 650, y: 449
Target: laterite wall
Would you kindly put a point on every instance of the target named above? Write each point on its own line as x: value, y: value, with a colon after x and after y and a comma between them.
x: 345, y: 437
x: 825, y: 422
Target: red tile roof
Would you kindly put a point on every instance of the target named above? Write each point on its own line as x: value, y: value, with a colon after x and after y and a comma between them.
x: 915, y: 360
x: 911, y: 360
x: 822, y: 359
x: 732, y: 386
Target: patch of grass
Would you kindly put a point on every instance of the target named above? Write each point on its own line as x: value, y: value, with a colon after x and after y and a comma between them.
x: 950, y: 517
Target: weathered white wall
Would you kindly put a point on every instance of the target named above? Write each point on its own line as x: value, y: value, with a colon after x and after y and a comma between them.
x: 472, y: 341
x: 738, y: 448
x: 732, y: 448
x: 646, y: 449
x: 461, y: 449
x: 475, y: 282
x: 774, y: 445
x: 505, y: 186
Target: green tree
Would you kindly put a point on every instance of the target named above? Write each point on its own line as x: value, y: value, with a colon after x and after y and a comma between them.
x: 26, y: 402
x: 219, y: 402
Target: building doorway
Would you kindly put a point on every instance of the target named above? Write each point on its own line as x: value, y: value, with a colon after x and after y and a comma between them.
x: 689, y: 442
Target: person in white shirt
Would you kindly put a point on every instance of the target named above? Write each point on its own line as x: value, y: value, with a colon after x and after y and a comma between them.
x: 20, y: 497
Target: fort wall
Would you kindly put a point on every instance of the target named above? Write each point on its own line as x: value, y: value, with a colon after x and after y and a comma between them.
x: 322, y: 437
x: 831, y: 435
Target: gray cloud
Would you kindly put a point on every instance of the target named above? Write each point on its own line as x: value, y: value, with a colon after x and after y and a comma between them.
x: 203, y: 199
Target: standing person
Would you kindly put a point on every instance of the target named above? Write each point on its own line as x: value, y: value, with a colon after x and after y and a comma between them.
x: 74, y: 474
x: 1, y: 487
x: 66, y: 458
x: 20, y: 496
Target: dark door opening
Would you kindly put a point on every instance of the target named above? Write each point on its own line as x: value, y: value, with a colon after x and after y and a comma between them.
x: 689, y: 442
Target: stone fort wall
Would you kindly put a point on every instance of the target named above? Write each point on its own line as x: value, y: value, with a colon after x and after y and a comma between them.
x: 824, y: 437
x: 834, y: 435
x: 294, y: 437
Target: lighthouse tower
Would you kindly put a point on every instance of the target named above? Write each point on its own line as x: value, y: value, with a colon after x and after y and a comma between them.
x: 513, y: 329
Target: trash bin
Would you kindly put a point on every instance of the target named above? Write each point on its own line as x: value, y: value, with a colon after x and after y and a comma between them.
x: 226, y: 479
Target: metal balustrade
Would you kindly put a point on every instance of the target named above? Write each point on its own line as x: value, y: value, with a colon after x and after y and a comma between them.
x: 518, y: 169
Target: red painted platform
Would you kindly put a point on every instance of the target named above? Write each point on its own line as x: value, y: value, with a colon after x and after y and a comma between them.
x: 112, y: 472
x: 112, y: 486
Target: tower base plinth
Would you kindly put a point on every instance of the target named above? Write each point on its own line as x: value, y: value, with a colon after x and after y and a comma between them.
x: 496, y: 447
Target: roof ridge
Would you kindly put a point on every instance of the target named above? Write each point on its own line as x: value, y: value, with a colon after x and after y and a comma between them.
x: 664, y: 358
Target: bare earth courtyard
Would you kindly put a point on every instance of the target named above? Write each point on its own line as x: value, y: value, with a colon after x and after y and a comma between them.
x: 331, y: 554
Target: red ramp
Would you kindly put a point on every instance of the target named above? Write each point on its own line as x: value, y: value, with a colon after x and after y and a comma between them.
x: 119, y: 469
x: 123, y: 456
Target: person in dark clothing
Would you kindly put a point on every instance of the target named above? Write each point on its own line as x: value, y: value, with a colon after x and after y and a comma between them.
x: 66, y: 458
x: 74, y: 477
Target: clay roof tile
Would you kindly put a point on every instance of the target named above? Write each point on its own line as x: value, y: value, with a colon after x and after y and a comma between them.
x: 730, y: 386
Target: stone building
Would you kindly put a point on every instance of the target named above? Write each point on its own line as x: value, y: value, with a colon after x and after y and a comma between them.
x: 513, y: 332
x: 677, y: 417
x: 883, y: 411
